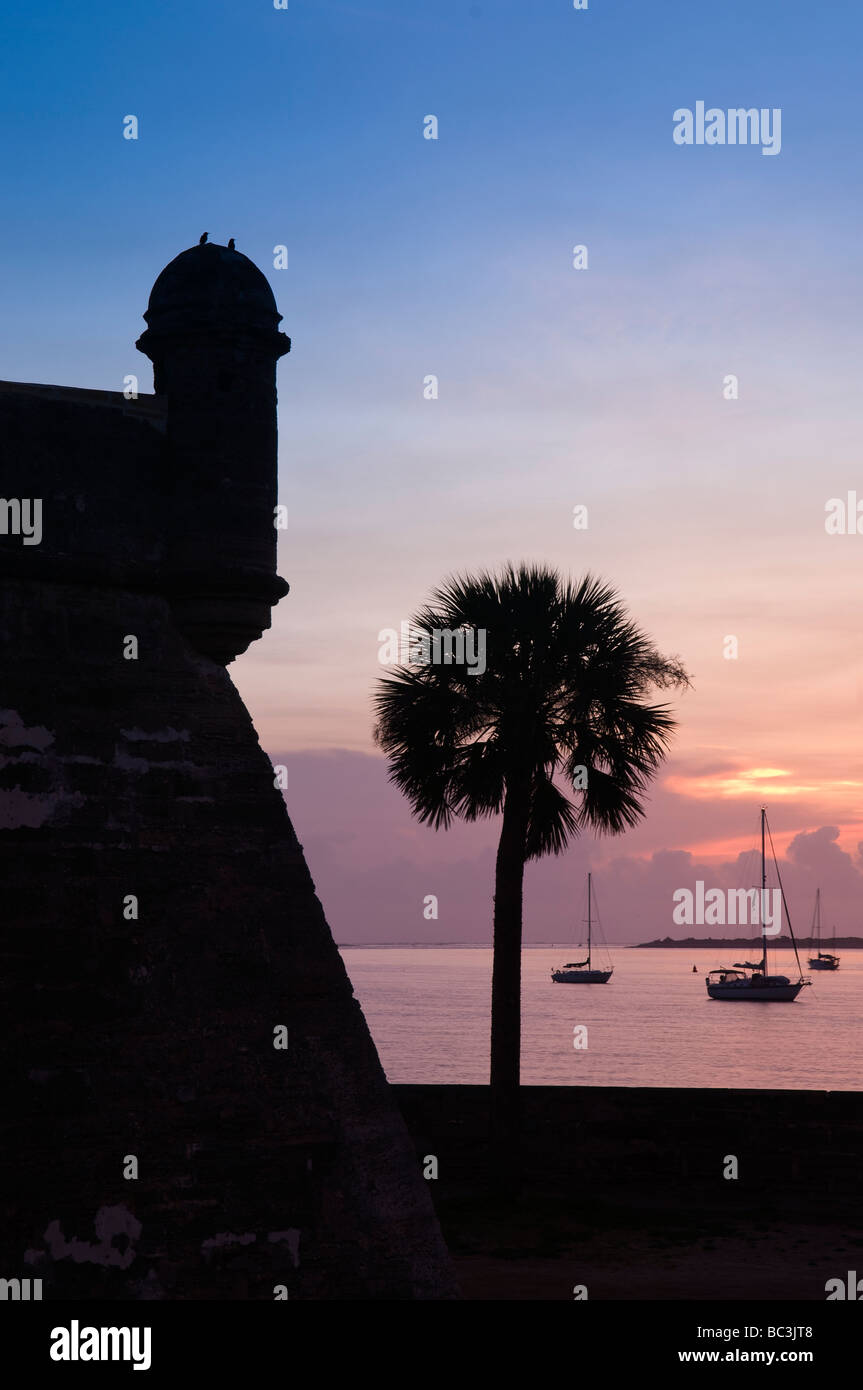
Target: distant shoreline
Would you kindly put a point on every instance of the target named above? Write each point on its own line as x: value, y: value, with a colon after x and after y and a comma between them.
x: 843, y: 943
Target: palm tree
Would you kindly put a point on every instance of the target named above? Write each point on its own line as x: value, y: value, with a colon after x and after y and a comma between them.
x: 560, y: 695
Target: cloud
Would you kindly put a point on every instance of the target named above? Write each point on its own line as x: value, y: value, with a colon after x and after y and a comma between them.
x: 374, y: 864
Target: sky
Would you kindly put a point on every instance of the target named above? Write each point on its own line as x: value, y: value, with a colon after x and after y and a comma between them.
x: 603, y: 387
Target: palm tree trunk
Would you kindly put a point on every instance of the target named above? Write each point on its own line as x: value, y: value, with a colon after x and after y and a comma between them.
x: 504, y: 1097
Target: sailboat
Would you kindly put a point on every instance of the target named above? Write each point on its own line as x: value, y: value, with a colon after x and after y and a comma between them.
x: 749, y: 980
x: 824, y: 960
x: 580, y: 972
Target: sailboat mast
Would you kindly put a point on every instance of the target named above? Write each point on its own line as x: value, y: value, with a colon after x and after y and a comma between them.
x: 818, y: 918
x: 763, y: 895
x: 588, y: 921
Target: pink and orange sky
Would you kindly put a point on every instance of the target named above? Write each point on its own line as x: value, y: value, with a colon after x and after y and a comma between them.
x: 707, y: 514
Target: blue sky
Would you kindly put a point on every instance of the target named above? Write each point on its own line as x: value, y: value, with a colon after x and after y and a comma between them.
x: 303, y: 127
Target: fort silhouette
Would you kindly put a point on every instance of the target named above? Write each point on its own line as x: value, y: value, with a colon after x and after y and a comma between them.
x: 160, y: 925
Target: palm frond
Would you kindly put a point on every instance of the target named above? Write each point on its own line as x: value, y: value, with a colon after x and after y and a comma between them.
x: 566, y: 685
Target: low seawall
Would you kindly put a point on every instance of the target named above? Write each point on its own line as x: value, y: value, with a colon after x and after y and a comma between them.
x: 653, y: 1134
x: 648, y: 1193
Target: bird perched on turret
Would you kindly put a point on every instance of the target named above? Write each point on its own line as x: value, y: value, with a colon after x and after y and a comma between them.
x: 231, y: 246
x: 203, y: 238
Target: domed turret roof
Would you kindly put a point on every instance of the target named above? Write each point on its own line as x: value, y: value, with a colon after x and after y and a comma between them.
x: 210, y: 286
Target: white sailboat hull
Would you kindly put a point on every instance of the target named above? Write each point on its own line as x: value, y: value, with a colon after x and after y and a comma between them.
x: 580, y: 972
x: 748, y: 982
x: 822, y: 960
x: 581, y: 977
x: 774, y: 989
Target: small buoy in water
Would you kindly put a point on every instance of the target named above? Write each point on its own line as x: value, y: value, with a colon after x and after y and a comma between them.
x: 695, y: 969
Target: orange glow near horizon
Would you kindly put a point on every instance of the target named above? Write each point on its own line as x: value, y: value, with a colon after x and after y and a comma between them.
x: 761, y: 782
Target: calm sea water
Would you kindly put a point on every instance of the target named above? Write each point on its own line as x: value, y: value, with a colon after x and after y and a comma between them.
x: 651, y: 1025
